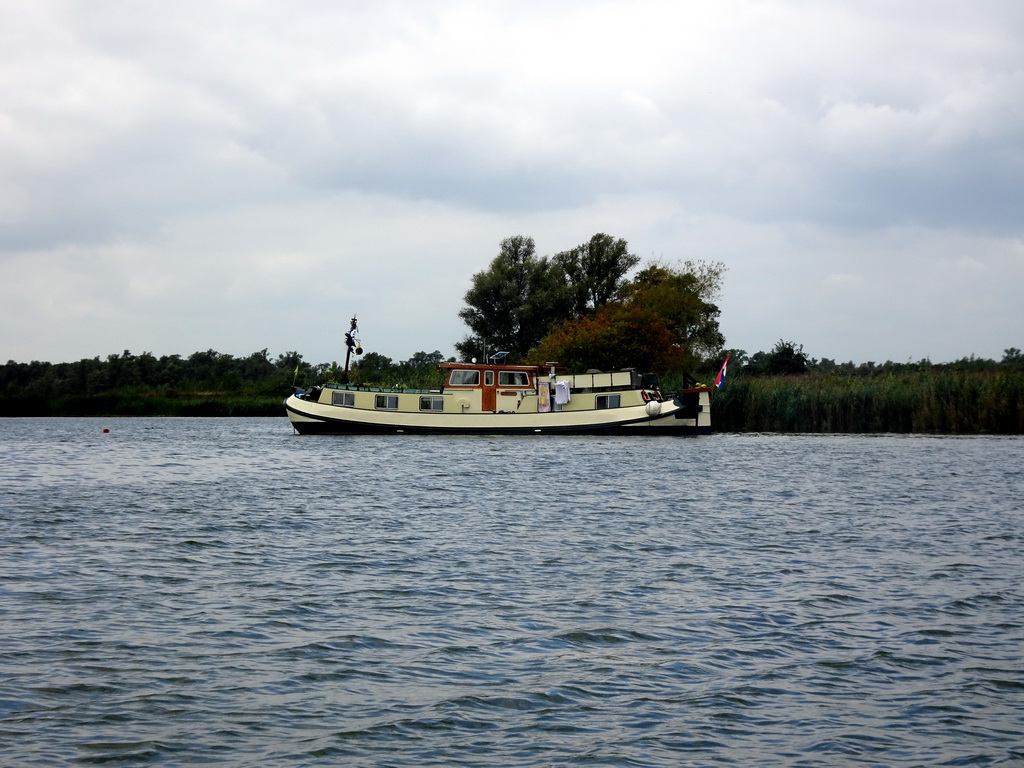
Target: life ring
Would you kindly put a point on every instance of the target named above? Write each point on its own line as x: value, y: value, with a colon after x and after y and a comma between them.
x: 645, y: 395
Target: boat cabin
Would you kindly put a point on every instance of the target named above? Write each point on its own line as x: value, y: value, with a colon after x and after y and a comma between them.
x: 503, y: 388
x: 500, y: 387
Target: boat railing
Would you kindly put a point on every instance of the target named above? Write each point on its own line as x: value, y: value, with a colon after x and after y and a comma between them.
x: 391, y: 390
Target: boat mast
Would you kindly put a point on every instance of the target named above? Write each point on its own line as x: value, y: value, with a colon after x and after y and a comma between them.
x: 351, y: 342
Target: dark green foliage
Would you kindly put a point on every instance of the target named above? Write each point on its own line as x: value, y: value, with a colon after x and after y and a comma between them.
x: 372, y: 366
x: 682, y: 300
x: 785, y: 391
x: 418, y: 372
x: 661, y: 323
x: 512, y: 303
x: 594, y: 273
x: 521, y: 299
x: 613, y: 336
x: 208, y: 370
x: 143, y: 385
x: 785, y: 358
x: 204, y: 384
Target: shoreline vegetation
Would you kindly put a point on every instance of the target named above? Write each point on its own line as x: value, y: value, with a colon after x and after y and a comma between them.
x: 968, y: 397
x: 947, y: 402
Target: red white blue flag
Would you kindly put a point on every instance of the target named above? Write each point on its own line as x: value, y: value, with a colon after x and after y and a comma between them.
x: 720, y: 378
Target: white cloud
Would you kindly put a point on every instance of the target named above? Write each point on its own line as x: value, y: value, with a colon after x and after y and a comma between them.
x: 844, y: 283
x: 237, y: 176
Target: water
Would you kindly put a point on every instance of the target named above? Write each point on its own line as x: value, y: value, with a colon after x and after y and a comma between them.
x: 221, y: 592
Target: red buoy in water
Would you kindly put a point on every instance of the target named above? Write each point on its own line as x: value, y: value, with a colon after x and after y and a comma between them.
x: 105, y: 431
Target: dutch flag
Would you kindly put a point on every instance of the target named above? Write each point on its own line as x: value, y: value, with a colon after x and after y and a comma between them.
x: 720, y: 378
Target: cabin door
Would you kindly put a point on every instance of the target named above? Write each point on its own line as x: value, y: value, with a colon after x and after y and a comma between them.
x: 489, y: 399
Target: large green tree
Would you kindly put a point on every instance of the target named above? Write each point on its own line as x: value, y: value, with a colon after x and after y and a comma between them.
x: 683, y: 297
x: 513, y: 303
x: 613, y: 336
x: 520, y: 297
x: 664, y: 322
x: 595, y: 272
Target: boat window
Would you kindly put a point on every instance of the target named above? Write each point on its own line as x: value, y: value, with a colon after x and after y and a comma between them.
x: 464, y: 378
x: 389, y: 402
x: 348, y: 399
x: 488, y: 378
x: 607, y: 401
x: 513, y: 379
x: 431, y: 403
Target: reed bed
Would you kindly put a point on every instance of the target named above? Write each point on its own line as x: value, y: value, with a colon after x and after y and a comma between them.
x: 943, y: 402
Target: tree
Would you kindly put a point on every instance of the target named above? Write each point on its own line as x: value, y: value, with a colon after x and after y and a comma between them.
x: 786, y: 358
x: 372, y: 367
x: 289, y: 361
x: 424, y: 360
x: 513, y: 303
x: 614, y: 336
x: 683, y: 299
x: 256, y: 366
x: 594, y: 273
x: 420, y: 370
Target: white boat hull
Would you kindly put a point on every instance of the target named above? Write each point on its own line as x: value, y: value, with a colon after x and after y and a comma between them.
x: 667, y: 417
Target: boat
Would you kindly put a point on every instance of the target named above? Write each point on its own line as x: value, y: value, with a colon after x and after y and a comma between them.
x: 495, y: 398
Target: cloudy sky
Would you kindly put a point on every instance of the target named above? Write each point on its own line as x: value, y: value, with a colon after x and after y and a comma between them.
x: 237, y: 175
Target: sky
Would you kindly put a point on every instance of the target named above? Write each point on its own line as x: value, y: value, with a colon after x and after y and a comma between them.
x: 228, y: 175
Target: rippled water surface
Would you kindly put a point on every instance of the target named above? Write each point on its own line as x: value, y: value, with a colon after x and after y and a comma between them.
x: 222, y: 592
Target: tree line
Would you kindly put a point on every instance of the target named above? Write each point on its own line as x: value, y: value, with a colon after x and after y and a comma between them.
x: 789, y: 358
x: 144, y: 384
x: 199, y: 371
x: 203, y: 383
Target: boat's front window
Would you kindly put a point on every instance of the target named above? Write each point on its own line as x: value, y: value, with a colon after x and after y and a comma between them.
x: 429, y: 403
x: 607, y: 401
x: 388, y: 402
x: 464, y: 378
x: 513, y: 379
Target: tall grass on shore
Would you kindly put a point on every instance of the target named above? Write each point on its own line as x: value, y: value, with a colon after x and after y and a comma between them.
x: 940, y: 402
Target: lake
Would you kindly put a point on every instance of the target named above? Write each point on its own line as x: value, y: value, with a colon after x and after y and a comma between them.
x: 223, y: 592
